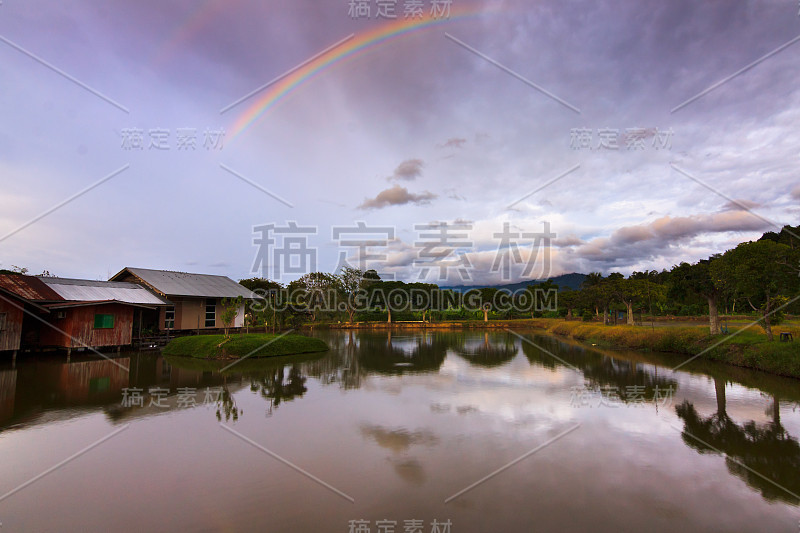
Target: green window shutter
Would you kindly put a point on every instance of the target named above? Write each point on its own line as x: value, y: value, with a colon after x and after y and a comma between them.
x: 102, y: 321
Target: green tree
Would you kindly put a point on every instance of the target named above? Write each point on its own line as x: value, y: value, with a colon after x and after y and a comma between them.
x: 230, y: 309
x: 351, y: 280
x: 317, y: 290
x: 423, y: 296
x: 538, y: 290
x: 258, y: 285
x: 391, y: 296
x: 569, y: 300
x: 763, y: 273
x: 790, y: 236
x: 483, y: 298
x: 592, y: 282
x: 633, y: 292
x: 599, y: 291
x: 265, y: 310
x: 696, y: 279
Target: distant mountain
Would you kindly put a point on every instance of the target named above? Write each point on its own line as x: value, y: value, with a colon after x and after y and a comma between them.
x: 572, y: 281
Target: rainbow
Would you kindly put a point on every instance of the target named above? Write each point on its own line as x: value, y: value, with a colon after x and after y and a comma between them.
x: 354, y: 47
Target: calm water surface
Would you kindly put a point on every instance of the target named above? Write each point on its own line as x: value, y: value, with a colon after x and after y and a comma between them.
x: 396, y: 427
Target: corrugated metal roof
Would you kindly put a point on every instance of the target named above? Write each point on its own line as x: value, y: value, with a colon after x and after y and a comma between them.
x: 82, y: 290
x: 28, y: 287
x: 186, y: 284
x: 71, y: 304
x: 5, y: 292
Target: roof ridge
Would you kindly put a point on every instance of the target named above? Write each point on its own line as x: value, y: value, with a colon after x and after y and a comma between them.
x: 56, y: 280
x: 177, y: 272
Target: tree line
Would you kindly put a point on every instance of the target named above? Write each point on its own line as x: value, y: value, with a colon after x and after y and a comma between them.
x: 760, y: 277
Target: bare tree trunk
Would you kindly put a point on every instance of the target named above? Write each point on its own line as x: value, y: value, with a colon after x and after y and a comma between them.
x: 713, y: 315
x: 389, y: 310
x: 767, y: 325
x: 776, y: 411
x: 605, y: 316
x: 719, y: 387
x: 485, y: 315
x: 629, y: 305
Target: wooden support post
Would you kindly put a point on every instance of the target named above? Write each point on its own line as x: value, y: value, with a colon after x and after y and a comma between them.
x: 14, y: 359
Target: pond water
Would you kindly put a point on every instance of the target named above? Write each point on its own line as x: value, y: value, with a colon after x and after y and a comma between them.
x: 401, y: 431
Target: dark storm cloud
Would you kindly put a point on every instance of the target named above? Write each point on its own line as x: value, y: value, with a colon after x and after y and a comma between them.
x: 396, y: 195
x: 662, y: 237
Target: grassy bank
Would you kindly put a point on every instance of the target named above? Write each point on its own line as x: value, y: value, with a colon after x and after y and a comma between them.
x: 245, y: 344
x: 749, y: 348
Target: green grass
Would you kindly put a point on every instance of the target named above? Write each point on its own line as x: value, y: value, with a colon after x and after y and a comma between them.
x: 749, y: 348
x: 245, y: 344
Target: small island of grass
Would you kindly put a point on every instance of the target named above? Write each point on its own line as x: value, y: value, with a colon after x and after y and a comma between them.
x: 243, y: 345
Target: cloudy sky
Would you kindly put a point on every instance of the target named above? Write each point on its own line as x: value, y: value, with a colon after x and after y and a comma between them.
x: 559, y: 114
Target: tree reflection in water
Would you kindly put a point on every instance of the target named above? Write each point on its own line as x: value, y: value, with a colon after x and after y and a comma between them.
x: 764, y: 456
x: 630, y: 379
x: 276, y: 387
x: 341, y: 364
x: 276, y: 379
x: 479, y: 350
x: 226, y: 404
x: 394, y: 354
